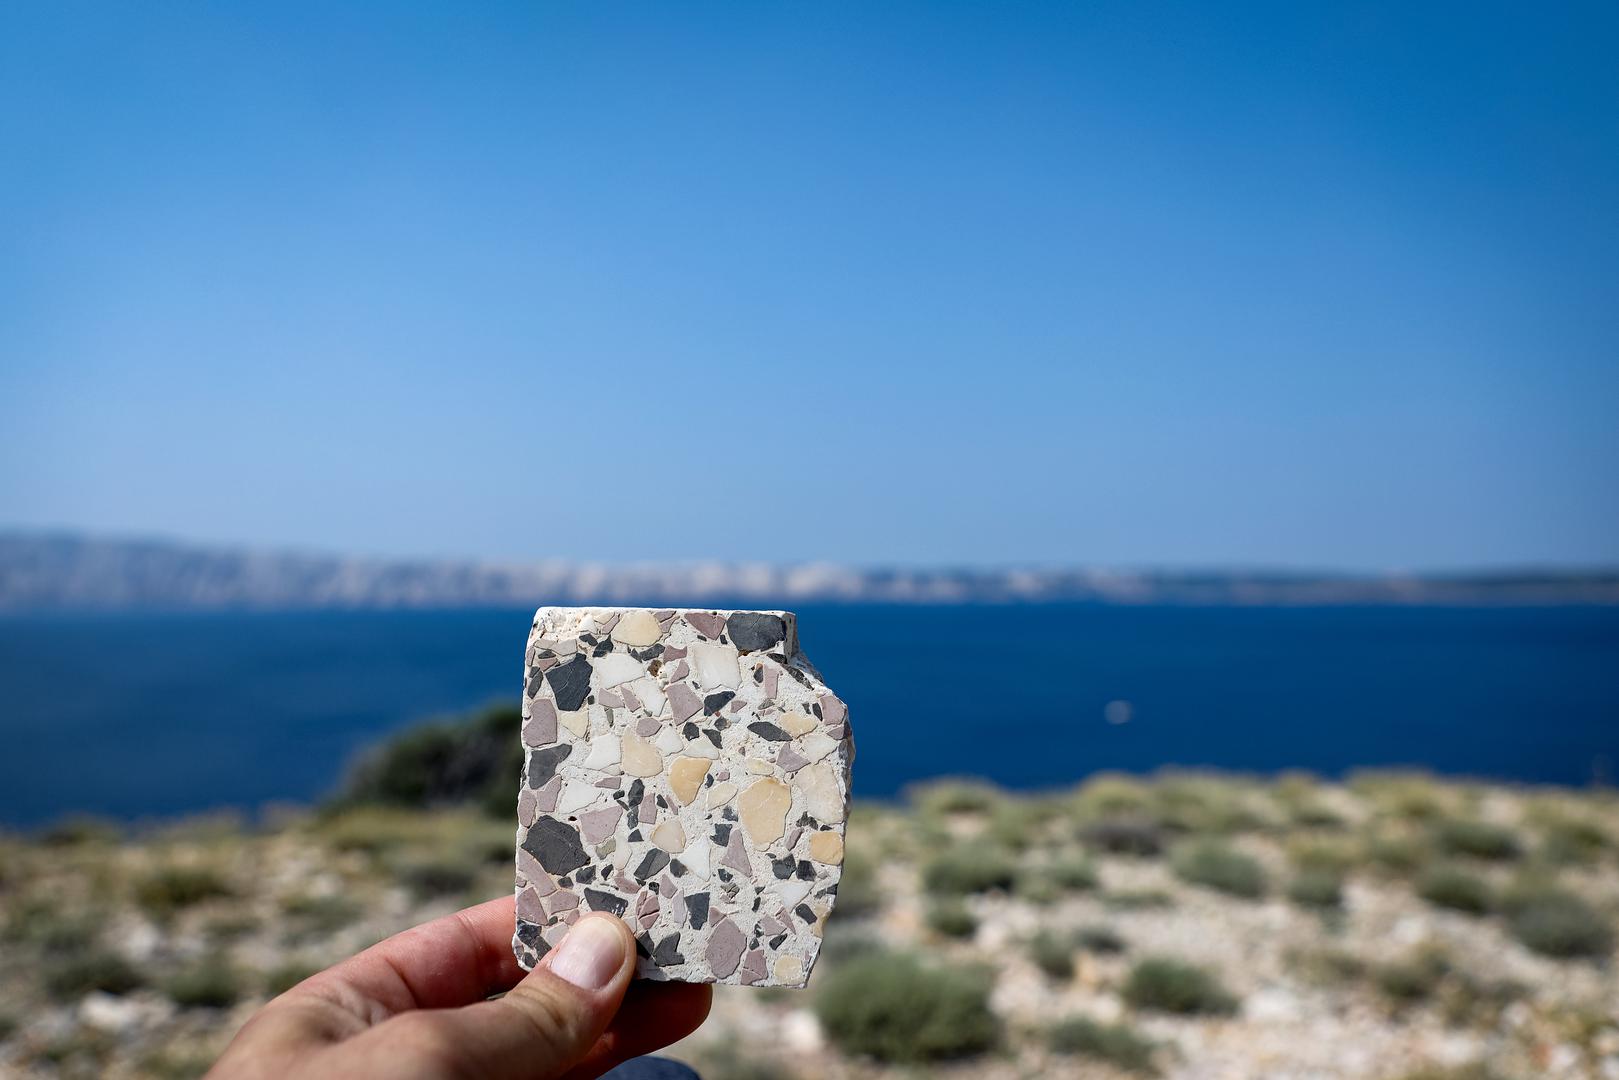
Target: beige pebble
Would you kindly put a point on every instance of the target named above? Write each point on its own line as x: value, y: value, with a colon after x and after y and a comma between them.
x: 720, y: 794
x: 577, y: 721
x: 796, y: 723
x: 672, y: 838
x: 760, y: 767
x: 789, y: 969
x: 817, y: 746
x: 822, y: 799
x: 825, y: 847
x: 763, y: 809
x: 686, y: 776
x: 637, y: 629
x: 640, y: 757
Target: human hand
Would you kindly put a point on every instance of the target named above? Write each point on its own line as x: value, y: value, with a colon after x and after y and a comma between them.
x: 416, y: 1006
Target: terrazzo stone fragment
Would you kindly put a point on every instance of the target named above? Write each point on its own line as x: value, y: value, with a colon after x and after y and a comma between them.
x: 684, y: 702
x: 686, y: 776
x: 764, y: 807
x: 710, y: 624
x: 641, y: 758
x: 540, y: 729
x: 671, y: 837
x: 826, y: 847
x: 687, y: 772
x: 725, y: 945
x: 636, y: 628
x: 570, y: 683
x: 597, y: 826
x: 555, y: 845
x: 752, y: 631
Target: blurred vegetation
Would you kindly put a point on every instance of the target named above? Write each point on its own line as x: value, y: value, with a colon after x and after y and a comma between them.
x: 1053, y: 953
x: 1476, y: 839
x: 896, y: 1008
x: 1116, y: 1044
x: 950, y: 918
x: 1318, y: 887
x: 476, y: 762
x: 166, y: 890
x: 1167, y: 985
x: 1558, y: 923
x: 192, y: 921
x: 969, y: 869
x: 1457, y: 889
x: 1218, y: 866
x: 212, y: 982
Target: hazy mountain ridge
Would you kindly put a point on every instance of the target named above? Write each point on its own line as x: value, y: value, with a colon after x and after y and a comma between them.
x: 65, y: 571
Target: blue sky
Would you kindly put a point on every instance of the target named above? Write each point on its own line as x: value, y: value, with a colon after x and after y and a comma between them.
x: 1283, y: 284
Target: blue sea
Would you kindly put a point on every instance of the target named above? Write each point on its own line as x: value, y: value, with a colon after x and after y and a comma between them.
x: 146, y: 715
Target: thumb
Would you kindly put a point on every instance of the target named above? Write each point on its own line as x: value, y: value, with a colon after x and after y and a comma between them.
x: 544, y: 1025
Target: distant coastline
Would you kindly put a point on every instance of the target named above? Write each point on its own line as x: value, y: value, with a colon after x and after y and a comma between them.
x: 55, y: 571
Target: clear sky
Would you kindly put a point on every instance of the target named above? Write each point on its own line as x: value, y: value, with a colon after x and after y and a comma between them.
x: 1292, y: 284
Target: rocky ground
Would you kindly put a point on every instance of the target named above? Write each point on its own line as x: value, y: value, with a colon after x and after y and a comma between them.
x: 1183, y: 926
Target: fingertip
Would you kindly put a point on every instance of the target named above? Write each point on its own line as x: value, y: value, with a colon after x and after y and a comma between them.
x: 596, y: 952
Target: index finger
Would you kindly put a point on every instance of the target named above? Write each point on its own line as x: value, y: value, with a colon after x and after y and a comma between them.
x: 455, y: 960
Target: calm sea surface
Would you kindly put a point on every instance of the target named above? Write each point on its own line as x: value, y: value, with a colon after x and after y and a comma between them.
x: 149, y: 715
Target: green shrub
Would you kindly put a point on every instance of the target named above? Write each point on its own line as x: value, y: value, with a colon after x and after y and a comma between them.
x: 79, y: 830
x: 1221, y: 868
x: 283, y: 977
x: 1412, y: 796
x: 1457, y: 889
x: 1193, y: 803
x: 73, y: 974
x: 1312, y: 814
x: 311, y: 917
x: 1337, y: 856
x: 1018, y: 824
x: 231, y: 925
x: 1476, y: 839
x: 1053, y: 954
x: 1317, y: 887
x: 1568, y: 841
x: 38, y: 921
x: 1074, y: 874
x: 1124, y: 836
x: 1413, y: 979
x: 1102, y: 940
x: 168, y: 889
x: 1049, y: 883
x: 1475, y: 1071
x: 1171, y: 986
x: 1112, y: 795
x: 1138, y: 899
x: 963, y: 871
x: 895, y: 1008
x: 1559, y: 924
x: 477, y: 760
x: 950, y: 918
x: 858, y: 895
x: 211, y: 983
x: 1036, y: 887
x: 429, y: 878
x: 954, y: 796
x: 1397, y: 852
x: 1472, y: 1002
x: 170, y: 1064
x: 1117, y: 1044
x: 1327, y: 967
